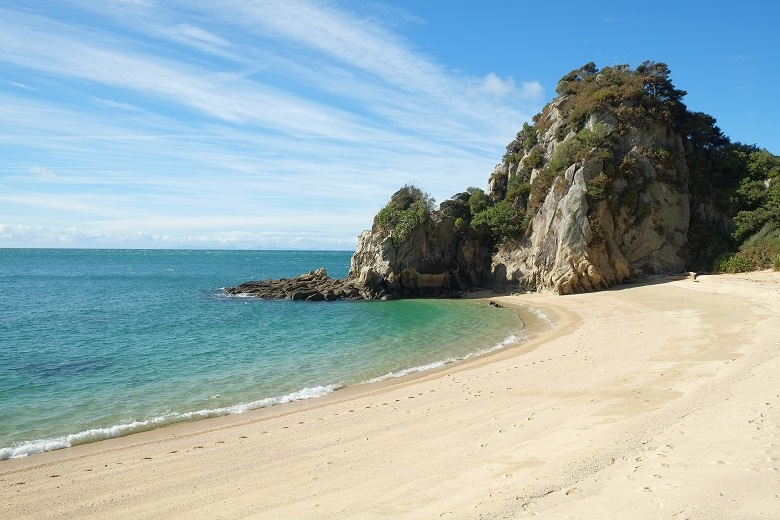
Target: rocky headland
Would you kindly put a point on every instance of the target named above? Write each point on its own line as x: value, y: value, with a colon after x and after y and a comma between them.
x: 615, y: 180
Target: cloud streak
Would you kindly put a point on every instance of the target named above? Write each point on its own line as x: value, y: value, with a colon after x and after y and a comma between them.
x: 263, y: 116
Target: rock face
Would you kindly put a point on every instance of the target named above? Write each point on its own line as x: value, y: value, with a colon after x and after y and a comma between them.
x: 579, y: 243
x: 435, y: 260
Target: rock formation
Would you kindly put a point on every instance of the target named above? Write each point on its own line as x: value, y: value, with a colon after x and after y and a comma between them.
x: 591, y: 195
x: 615, y: 180
x: 314, y: 286
x: 578, y: 242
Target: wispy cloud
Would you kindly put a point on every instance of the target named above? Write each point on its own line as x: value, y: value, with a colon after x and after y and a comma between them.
x: 17, y: 84
x: 247, y: 117
x: 43, y: 173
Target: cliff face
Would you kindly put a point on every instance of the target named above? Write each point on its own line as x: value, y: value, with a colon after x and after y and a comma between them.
x: 594, y: 193
x: 592, y: 230
x: 433, y: 261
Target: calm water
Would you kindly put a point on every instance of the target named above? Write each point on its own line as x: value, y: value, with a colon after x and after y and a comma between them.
x: 101, y: 343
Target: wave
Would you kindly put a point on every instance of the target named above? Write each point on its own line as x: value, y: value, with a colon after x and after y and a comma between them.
x: 24, y: 449
x: 542, y: 316
x: 509, y: 340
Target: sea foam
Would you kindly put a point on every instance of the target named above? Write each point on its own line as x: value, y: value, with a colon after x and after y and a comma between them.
x: 24, y: 449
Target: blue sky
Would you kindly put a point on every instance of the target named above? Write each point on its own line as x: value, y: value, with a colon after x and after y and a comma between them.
x: 289, y: 123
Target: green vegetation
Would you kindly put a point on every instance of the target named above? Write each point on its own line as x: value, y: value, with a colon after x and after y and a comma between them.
x: 638, y: 96
x: 406, y: 211
x: 734, y: 264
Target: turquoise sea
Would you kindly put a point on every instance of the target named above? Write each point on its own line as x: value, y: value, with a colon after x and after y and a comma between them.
x: 102, y: 343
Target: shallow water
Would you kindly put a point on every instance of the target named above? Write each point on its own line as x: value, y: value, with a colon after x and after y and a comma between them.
x: 101, y: 343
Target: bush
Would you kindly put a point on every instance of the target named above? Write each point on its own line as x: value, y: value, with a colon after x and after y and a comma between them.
x: 517, y: 192
x: 407, y: 210
x: 501, y: 221
x: 761, y: 254
x: 597, y: 186
x: 565, y: 155
x: 776, y: 264
x: 734, y: 264
x: 478, y: 200
x: 533, y: 159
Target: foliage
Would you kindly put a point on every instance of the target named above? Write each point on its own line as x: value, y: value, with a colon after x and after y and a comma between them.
x: 523, y: 142
x: 565, y: 155
x: 518, y: 192
x: 478, y: 200
x: 539, y: 189
x: 501, y: 221
x: 407, y: 210
x: 762, y: 255
x: 597, y: 186
x: 757, y: 196
x: 731, y: 263
x: 533, y: 159
x: 644, y: 94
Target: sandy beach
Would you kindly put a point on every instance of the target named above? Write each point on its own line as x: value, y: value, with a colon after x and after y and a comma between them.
x: 657, y: 400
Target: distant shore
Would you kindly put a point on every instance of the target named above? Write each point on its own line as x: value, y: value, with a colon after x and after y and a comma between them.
x: 636, y: 394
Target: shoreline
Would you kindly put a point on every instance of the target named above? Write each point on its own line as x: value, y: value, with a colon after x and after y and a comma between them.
x: 637, y: 392
x: 535, y: 322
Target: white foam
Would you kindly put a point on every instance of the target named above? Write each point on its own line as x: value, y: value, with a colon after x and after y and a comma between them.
x: 96, y: 434
x: 512, y: 338
x: 542, y: 316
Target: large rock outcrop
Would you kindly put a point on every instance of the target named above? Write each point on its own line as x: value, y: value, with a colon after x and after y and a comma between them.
x: 615, y: 180
x: 435, y: 260
x: 579, y: 242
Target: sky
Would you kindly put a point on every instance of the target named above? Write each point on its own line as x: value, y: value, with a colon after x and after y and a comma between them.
x: 287, y: 124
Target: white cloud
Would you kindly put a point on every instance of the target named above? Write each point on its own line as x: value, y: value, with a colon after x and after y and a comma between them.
x: 289, y: 117
x: 531, y: 91
x: 115, y: 104
x: 190, y: 32
x: 46, y: 236
x: 43, y: 173
x: 492, y: 85
x: 18, y: 85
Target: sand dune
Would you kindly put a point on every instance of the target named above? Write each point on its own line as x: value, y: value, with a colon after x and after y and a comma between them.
x: 659, y: 400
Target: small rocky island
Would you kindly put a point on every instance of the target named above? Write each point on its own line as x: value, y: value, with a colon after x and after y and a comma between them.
x: 615, y: 180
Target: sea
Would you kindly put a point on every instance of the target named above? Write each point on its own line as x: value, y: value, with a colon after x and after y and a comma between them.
x: 98, y: 343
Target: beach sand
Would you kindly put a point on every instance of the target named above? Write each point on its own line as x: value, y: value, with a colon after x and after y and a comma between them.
x: 657, y: 400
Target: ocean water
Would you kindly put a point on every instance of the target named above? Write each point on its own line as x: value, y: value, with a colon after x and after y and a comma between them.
x: 102, y: 343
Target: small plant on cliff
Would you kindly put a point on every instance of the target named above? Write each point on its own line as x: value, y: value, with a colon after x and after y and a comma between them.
x: 407, y: 210
x: 597, y: 186
x: 524, y: 141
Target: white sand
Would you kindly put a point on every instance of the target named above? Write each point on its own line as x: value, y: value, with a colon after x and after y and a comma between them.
x: 652, y: 401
